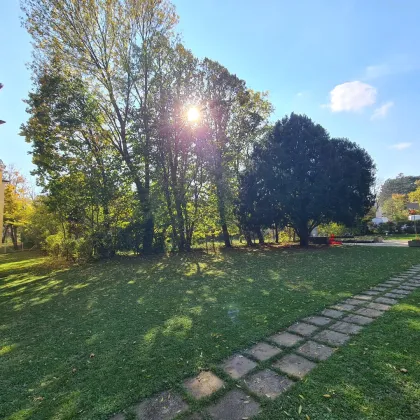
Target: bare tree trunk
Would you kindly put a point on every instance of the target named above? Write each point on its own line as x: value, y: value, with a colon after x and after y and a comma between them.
x: 248, y: 238
x: 276, y: 228
x: 303, y: 236
x: 13, y: 233
x: 260, y: 236
x: 4, y: 234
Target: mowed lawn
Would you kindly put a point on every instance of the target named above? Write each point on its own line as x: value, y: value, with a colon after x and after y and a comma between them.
x: 84, y: 342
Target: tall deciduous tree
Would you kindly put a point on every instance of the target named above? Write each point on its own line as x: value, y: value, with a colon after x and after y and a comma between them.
x: 112, y: 45
x: 235, y: 117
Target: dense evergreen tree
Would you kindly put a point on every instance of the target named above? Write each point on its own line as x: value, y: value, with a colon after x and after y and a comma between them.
x: 302, y: 177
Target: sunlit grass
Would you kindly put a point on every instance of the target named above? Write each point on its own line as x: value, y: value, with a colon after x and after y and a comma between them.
x: 151, y: 323
x: 364, y: 379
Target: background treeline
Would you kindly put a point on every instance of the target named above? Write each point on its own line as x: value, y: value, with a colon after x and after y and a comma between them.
x: 141, y: 146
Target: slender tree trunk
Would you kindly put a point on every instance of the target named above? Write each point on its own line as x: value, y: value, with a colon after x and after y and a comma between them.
x: 181, y: 224
x: 248, y: 238
x: 276, y: 229
x: 226, y: 236
x: 175, y: 238
x: 4, y: 234
x: 221, y: 199
x: 222, y: 213
x: 260, y: 236
x: 13, y: 232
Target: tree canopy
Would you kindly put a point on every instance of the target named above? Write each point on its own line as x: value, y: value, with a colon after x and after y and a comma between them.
x: 122, y: 164
x: 301, y: 177
x: 402, y: 184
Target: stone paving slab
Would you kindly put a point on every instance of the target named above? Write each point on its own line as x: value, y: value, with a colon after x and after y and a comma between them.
x: 358, y: 319
x: 238, y: 366
x: 263, y: 351
x: 346, y: 328
x: 118, y: 416
x: 362, y: 297
x: 387, y: 301
x: 294, y: 365
x: 372, y: 313
x: 332, y: 313
x: 286, y: 339
x: 164, y: 406
x: 393, y: 295
x: 333, y: 338
x: 318, y: 320
x: 393, y: 282
x: 355, y: 302
x: 413, y: 284
x: 203, y: 385
x: 410, y: 288
x: 235, y: 405
x: 401, y: 291
x: 379, y: 289
x: 267, y: 383
x: 303, y: 329
x: 387, y: 286
x: 315, y: 350
x: 372, y: 292
x: 378, y: 306
x: 344, y: 307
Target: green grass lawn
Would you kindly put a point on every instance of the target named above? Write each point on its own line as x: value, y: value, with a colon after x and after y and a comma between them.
x: 84, y: 342
x: 364, y: 379
x: 400, y: 237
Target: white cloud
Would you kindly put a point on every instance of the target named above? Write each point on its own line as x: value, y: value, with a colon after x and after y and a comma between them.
x: 400, y: 146
x: 382, y: 111
x: 352, y: 96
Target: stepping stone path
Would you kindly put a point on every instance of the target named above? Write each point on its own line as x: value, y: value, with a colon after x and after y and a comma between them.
x: 203, y: 385
x: 306, y: 343
x: 235, y: 405
x: 263, y: 351
x: 238, y: 366
x: 286, y: 339
x: 267, y: 383
x: 315, y: 350
x: 303, y: 329
x: 294, y: 365
x: 346, y: 328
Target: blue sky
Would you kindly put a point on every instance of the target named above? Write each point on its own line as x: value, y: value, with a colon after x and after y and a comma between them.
x: 351, y: 65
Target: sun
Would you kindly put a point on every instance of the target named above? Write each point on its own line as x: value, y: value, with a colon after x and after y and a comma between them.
x: 193, y: 114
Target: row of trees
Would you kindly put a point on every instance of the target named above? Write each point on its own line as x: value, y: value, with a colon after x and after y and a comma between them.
x: 137, y: 141
x: 109, y: 128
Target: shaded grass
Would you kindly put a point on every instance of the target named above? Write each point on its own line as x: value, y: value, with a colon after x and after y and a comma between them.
x: 364, y: 378
x: 85, y: 342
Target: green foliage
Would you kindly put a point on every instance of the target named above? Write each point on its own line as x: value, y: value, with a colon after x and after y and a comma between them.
x: 332, y: 228
x: 400, y: 185
x: 395, y: 208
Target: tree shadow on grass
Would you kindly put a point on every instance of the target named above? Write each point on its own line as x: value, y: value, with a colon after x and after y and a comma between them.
x: 88, y: 341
